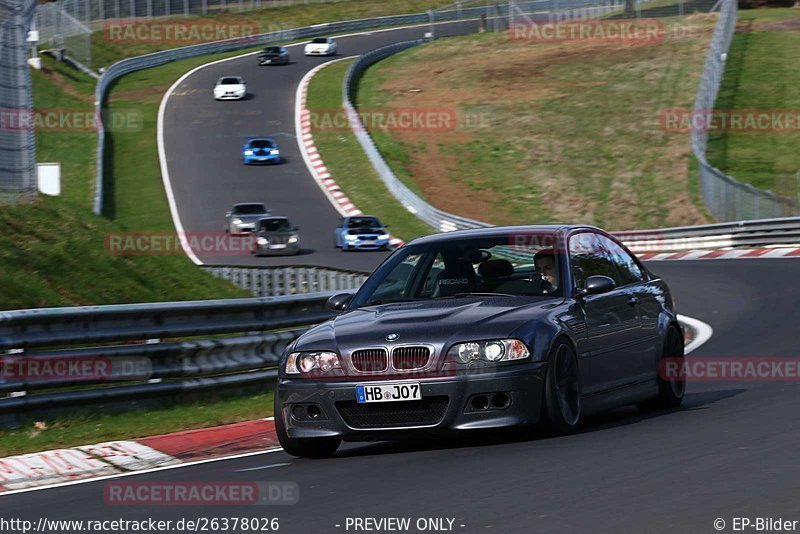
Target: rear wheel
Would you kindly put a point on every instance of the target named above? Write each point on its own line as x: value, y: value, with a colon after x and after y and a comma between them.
x: 561, y: 409
x: 670, y: 389
x: 303, y: 448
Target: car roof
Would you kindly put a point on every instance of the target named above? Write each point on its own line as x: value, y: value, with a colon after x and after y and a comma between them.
x: 249, y: 204
x: 274, y: 218
x: 496, y: 231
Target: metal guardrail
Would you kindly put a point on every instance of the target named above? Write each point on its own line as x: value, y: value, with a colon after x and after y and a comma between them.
x: 139, y: 368
x: 726, y: 198
x: 265, y: 282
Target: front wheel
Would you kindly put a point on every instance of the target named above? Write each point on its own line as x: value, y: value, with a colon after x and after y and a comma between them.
x: 303, y: 448
x: 561, y: 408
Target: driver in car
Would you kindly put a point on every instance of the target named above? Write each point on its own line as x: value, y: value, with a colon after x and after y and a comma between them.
x: 545, y: 264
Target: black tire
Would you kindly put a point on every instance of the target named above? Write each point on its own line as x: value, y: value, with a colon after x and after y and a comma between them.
x: 303, y: 448
x: 561, y: 405
x: 671, y: 391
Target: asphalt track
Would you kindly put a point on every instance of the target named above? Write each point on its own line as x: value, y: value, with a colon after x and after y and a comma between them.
x: 731, y: 451
x: 203, y: 140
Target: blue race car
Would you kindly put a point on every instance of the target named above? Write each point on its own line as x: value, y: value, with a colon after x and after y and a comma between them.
x: 261, y: 150
x: 363, y: 232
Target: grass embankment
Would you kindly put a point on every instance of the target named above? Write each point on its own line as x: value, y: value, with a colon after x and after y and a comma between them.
x: 53, y: 251
x: 762, y: 74
x: 115, y: 43
x: 547, y: 132
x: 346, y: 161
x: 88, y: 428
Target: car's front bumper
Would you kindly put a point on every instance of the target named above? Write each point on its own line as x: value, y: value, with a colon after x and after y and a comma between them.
x: 318, y: 52
x: 267, y: 250
x: 449, y: 405
x: 261, y: 160
x: 365, y: 244
x: 235, y: 96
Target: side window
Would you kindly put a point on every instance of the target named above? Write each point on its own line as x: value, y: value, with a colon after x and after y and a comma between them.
x: 626, y: 265
x: 436, y: 268
x: 588, y: 258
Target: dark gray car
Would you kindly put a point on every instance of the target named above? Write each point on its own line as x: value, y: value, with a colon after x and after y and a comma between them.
x: 277, y: 236
x: 483, y: 329
x: 242, y: 218
x: 274, y: 55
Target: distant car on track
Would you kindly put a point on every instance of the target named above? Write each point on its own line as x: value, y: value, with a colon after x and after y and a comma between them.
x: 363, y: 232
x: 530, y: 326
x: 277, y: 236
x: 274, y: 55
x: 242, y: 218
x: 230, y: 88
x: 261, y: 150
x: 321, y: 46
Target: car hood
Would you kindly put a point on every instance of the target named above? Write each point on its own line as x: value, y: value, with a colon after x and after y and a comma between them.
x: 236, y: 87
x: 365, y: 231
x: 434, y: 322
x: 272, y: 235
x: 249, y: 218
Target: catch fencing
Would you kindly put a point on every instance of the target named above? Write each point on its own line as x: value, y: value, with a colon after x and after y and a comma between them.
x: 17, y: 143
x: 65, y: 35
x: 266, y: 282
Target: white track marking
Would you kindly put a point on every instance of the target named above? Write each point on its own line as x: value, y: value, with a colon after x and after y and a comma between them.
x: 702, y: 332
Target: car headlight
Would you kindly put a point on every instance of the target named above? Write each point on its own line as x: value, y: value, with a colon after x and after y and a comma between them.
x: 274, y: 152
x: 237, y: 221
x: 262, y: 241
x: 500, y: 350
x: 293, y: 240
x: 313, y: 363
x: 351, y: 237
x: 248, y: 152
x: 384, y: 236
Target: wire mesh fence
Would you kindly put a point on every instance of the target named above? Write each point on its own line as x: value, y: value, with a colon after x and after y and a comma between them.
x: 17, y: 144
x: 61, y: 31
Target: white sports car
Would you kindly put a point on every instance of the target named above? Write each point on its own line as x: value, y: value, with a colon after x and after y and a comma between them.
x: 230, y: 88
x: 321, y: 46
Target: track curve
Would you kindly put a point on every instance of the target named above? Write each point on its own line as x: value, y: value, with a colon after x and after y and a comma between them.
x: 203, y: 139
x: 731, y: 451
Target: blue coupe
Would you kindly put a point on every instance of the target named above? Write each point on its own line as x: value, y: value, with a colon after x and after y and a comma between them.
x: 261, y: 150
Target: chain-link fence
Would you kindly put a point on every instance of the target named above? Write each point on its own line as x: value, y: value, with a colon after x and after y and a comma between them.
x: 17, y: 144
x: 726, y: 198
x: 61, y: 31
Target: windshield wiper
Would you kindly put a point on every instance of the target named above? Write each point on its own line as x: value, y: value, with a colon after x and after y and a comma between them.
x: 478, y: 294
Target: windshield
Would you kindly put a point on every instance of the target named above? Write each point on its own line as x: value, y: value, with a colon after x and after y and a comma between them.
x: 249, y: 209
x: 363, y: 222
x: 467, y: 267
x: 230, y: 81
x: 320, y: 40
x: 261, y: 143
x: 272, y: 50
x: 275, y: 225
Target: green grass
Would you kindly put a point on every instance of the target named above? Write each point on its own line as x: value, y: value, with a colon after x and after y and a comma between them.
x: 564, y: 132
x: 88, y: 428
x: 106, y: 50
x: 761, y: 74
x: 347, y: 163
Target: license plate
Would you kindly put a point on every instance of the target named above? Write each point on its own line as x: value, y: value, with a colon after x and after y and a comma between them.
x: 405, y: 391
x: 277, y: 246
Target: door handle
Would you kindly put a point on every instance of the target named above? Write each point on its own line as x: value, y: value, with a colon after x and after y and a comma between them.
x: 633, y: 301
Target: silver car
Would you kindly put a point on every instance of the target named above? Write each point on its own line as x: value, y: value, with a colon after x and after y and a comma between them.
x: 243, y: 218
x: 277, y: 236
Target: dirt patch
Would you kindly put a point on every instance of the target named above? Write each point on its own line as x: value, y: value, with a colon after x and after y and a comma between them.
x: 61, y: 81
x: 785, y: 25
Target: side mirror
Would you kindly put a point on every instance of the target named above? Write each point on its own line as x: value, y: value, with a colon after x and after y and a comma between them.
x: 339, y: 302
x: 597, y: 285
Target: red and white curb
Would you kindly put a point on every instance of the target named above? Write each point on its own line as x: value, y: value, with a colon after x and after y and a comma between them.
x: 722, y: 254
x: 313, y: 159
x: 117, y: 458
